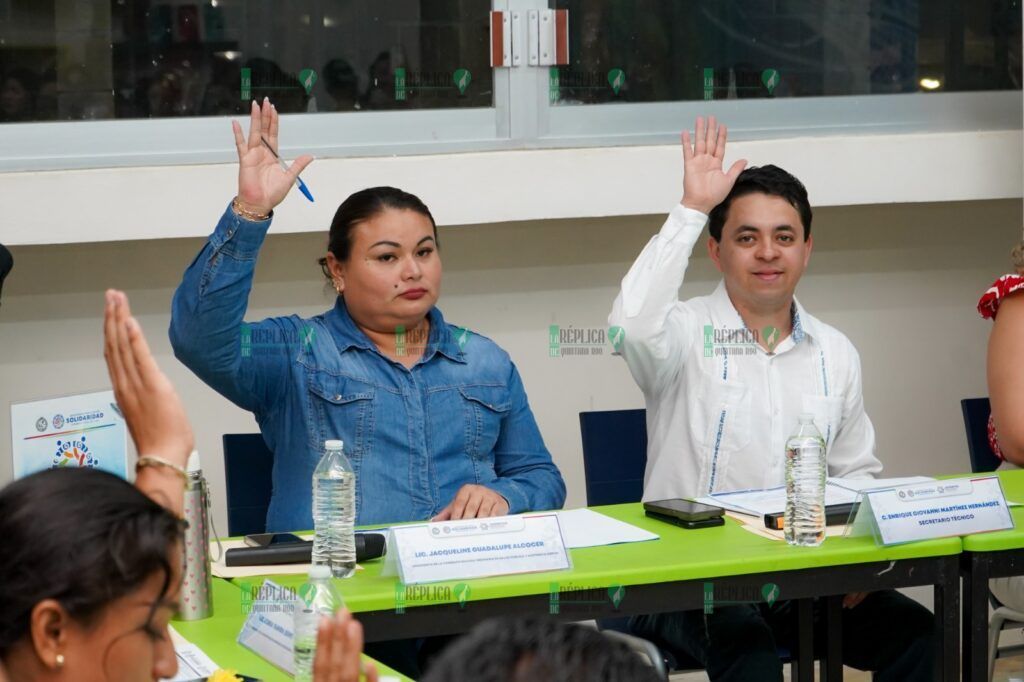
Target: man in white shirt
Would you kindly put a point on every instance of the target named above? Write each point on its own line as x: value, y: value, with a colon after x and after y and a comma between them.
x: 725, y: 378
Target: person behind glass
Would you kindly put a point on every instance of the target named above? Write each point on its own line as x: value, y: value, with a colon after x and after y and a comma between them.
x: 342, y: 85
x: 18, y: 90
x: 434, y: 418
x: 718, y: 419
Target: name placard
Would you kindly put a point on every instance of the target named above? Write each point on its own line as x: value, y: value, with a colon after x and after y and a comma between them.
x: 476, y: 548
x: 269, y: 630
x: 75, y: 431
x: 938, y: 509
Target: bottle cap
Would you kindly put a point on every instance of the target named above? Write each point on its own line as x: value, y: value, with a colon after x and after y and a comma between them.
x: 319, y: 572
x: 193, y: 462
x: 334, y: 444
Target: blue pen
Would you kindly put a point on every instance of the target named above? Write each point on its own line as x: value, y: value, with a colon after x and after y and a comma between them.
x: 298, y: 180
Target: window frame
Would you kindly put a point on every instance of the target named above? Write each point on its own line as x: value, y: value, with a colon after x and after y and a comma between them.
x: 522, y: 117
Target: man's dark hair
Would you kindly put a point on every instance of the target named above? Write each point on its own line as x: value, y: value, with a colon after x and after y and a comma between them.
x: 770, y: 180
x: 533, y: 649
x: 83, y: 537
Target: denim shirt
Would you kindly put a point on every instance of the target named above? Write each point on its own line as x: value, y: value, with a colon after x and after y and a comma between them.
x: 414, y: 436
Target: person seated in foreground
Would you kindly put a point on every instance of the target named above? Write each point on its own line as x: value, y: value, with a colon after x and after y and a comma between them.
x: 718, y: 420
x: 534, y: 649
x: 92, y: 566
x: 91, y: 569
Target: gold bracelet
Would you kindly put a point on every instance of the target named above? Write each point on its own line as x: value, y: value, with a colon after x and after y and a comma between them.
x: 154, y: 461
x: 255, y: 217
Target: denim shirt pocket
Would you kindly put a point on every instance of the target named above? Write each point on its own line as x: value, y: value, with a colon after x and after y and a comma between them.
x: 485, y: 408
x: 341, y: 408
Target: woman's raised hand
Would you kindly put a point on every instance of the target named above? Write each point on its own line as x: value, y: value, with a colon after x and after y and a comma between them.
x: 262, y: 183
x: 151, y: 407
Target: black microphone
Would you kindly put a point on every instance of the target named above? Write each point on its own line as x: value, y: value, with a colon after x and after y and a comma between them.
x: 6, y: 263
x: 368, y: 546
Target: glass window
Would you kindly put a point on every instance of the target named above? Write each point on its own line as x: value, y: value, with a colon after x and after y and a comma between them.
x: 133, y: 59
x: 654, y: 51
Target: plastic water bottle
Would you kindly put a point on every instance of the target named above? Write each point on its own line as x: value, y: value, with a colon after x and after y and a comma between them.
x: 320, y: 598
x: 334, y: 511
x: 805, y: 485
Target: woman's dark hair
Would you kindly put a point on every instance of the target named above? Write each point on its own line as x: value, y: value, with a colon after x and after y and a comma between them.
x: 531, y: 649
x: 83, y: 537
x: 364, y: 205
x: 770, y: 180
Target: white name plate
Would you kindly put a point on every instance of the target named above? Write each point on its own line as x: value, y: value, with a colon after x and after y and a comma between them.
x: 476, y: 548
x: 939, y: 509
x: 269, y: 630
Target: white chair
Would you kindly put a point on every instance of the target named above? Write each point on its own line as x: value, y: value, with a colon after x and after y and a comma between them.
x: 1002, y: 618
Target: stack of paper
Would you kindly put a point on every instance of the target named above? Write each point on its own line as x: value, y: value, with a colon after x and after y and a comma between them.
x: 756, y: 526
x: 773, y: 500
x: 587, y: 528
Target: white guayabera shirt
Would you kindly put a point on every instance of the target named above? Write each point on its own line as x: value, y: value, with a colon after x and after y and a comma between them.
x: 719, y: 407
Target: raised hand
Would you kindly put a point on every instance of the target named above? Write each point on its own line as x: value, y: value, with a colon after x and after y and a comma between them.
x: 339, y: 645
x: 262, y: 183
x: 705, y: 185
x: 151, y: 407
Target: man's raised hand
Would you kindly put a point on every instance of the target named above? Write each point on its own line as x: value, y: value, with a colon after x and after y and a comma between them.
x: 262, y: 183
x: 705, y: 185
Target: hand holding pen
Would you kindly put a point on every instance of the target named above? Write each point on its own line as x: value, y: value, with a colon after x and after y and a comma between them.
x: 264, y: 180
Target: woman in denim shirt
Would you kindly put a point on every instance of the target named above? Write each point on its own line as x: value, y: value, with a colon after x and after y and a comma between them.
x: 434, y: 417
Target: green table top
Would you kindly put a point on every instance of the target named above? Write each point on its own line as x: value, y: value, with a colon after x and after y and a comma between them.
x: 1013, y: 487
x: 216, y: 636
x: 679, y: 554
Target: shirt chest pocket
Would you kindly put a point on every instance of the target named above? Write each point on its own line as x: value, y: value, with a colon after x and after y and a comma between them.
x: 340, y: 408
x: 720, y: 414
x: 484, y: 409
x: 828, y: 414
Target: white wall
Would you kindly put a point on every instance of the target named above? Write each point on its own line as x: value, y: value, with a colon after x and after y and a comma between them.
x: 510, y: 185
x: 901, y: 280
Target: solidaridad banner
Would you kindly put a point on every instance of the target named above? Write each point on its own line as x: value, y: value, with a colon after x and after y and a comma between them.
x: 76, y: 431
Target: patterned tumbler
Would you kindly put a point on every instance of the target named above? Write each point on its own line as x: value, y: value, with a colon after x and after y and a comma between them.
x: 196, y: 600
